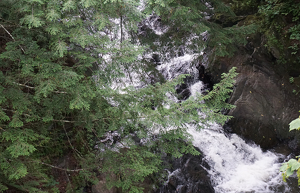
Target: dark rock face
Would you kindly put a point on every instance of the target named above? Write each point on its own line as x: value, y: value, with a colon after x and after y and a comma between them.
x: 204, y: 77
x: 262, y: 95
x: 155, y: 59
x: 183, y: 91
x: 189, y: 176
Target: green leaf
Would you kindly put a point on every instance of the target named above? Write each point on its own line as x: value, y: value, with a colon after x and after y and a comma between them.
x: 88, y: 3
x: 69, y: 5
x: 295, y: 124
x: 32, y: 21
x: 296, y: 166
x: 53, y: 29
x: 35, y: 1
x: 52, y: 15
x: 283, y: 167
x: 3, y: 116
x: 298, y: 175
x: 20, y: 148
x: 16, y: 122
x: 79, y: 103
x: 289, y: 172
x: 60, y: 48
x: 20, y: 171
x: 2, y: 187
x: 291, y: 162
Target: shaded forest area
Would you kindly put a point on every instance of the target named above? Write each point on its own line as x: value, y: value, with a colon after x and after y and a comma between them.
x: 60, y: 60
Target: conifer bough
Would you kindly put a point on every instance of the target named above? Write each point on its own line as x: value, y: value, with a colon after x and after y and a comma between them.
x: 52, y: 108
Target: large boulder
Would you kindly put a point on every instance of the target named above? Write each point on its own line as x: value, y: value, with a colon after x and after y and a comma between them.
x: 188, y: 175
x: 263, y: 96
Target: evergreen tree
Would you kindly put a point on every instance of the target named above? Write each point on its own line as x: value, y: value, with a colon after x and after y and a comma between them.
x: 60, y: 61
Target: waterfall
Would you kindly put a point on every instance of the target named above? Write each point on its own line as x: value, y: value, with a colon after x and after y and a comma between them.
x: 235, y: 166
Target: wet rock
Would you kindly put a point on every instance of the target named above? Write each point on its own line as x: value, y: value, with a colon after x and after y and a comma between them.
x: 183, y: 91
x: 180, y: 51
x: 181, y: 66
x: 263, y: 96
x: 205, y: 77
x: 155, y: 59
x: 176, y: 180
x: 188, y: 175
x: 294, y: 144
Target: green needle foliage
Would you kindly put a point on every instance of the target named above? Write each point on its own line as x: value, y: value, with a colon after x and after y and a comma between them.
x: 281, y: 26
x: 59, y: 63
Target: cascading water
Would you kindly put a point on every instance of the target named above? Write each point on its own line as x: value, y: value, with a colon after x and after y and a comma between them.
x: 234, y: 165
x: 237, y: 166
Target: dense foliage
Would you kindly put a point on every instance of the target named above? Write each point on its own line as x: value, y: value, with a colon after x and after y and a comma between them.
x: 282, y: 29
x: 61, y: 71
x: 293, y: 165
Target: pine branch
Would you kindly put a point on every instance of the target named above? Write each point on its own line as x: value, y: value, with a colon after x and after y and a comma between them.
x: 24, y: 85
x: 76, y: 170
x: 75, y: 150
x: 12, y: 37
x: 66, y: 121
x: 14, y: 168
x: 15, y: 112
x: 59, y: 92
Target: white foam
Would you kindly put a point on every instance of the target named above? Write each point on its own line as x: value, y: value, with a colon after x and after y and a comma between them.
x: 196, y: 88
x: 236, y: 166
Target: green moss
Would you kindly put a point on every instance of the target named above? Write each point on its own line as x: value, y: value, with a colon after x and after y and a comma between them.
x: 227, y: 20
x: 250, y: 19
x: 244, y: 7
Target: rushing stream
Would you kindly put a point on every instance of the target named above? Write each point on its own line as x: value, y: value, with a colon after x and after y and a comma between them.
x: 235, y: 166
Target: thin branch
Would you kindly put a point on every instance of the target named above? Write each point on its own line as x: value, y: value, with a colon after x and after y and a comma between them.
x: 7, y: 21
x: 24, y: 85
x: 75, y: 150
x: 65, y: 121
x: 69, y: 181
x: 15, y: 112
x: 52, y: 166
x: 12, y: 37
x: 59, y: 92
x: 121, y: 26
x: 5, y: 37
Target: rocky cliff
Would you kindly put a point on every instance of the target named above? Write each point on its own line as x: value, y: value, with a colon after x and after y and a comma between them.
x: 265, y: 103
